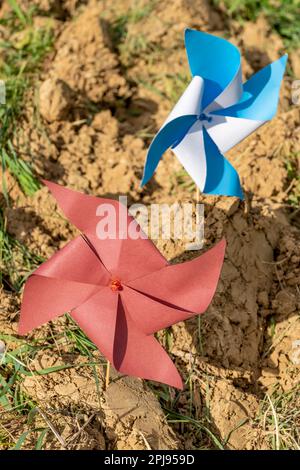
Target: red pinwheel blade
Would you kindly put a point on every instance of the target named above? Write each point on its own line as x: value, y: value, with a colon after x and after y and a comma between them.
x: 97, y: 317
x: 142, y: 356
x: 117, y: 253
x: 151, y: 314
x: 189, y: 286
x: 76, y: 261
x: 46, y: 298
x: 63, y: 282
x: 108, y: 324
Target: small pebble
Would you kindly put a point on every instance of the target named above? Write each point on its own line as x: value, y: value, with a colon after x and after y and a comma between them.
x: 295, y: 355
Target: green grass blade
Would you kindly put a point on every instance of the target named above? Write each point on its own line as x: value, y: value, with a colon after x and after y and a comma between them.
x: 18, y: 11
x: 40, y: 441
x: 21, y: 440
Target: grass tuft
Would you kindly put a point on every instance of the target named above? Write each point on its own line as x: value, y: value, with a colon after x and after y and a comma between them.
x: 279, y: 419
x: 17, y: 410
x: 292, y: 165
x: 17, y: 262
x: 21, y: 56
x: 283, y: 15
x: 129, y: 45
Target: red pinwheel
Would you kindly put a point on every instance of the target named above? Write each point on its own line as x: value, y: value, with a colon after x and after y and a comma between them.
x: 120, y: 291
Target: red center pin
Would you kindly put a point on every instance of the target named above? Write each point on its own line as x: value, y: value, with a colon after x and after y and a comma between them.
x: 116, y: 285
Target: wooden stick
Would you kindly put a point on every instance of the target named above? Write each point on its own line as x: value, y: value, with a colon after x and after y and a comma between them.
x: 197, y: 194
x: 107, y: 375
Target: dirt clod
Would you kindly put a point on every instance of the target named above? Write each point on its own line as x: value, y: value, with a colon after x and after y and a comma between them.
x: 55, y: 100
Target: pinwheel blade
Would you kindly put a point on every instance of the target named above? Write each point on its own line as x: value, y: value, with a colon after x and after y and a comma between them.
x: 210, y: 170
x: 171, y: 134
x: 97, y: 317
x: 258, y: 104
x: 226, y: 132
x: 139, y: 354
x: 63, y: 282
x: 46, y: 298
x: 221, y: 177
x: 77, y: 262
x: 260, y: 96
x: 191, y: 154
x: 214, y: 59
x: 156, y: 316
x: 190, y: 102
x: 123, y: 240
x: 189, y: 286
x: 107, y: 322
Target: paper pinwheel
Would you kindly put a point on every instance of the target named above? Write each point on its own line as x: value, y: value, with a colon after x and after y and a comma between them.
x: 215, y: 112
x: 120, y: 291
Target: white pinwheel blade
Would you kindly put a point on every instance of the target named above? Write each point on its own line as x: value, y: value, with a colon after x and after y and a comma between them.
x: 189, y: 102
x: 257, y: 105
x: 232, y: 94
x: 191, y: 154
x: 260, y: 94
x: 226, y: 132
x: 206, y: 165
x: 177, y: 124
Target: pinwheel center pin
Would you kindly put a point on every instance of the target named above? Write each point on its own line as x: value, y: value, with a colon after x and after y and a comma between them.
x: 204, y: 117
x: 115, y: 285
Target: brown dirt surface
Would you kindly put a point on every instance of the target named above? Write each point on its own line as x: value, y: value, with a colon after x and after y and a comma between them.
x: 99, y: 99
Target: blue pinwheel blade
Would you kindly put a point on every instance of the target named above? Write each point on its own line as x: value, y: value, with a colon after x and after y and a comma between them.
x: 216, y: 60
x: 260, y: 94
x: 222, y: 178
x: 171, y: 134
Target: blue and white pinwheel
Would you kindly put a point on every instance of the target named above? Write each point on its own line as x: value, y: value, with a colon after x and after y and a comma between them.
x: 215, y: 112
